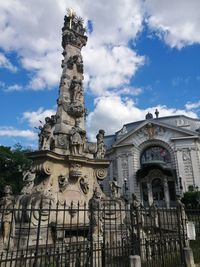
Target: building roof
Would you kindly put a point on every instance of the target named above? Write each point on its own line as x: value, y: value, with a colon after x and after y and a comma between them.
x: 182, y: 123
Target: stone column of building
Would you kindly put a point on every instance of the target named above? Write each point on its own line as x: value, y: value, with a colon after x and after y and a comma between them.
x: 150, y: 194
x: 166, y: 192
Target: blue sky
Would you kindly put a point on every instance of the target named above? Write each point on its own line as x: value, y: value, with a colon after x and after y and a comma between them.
x: 141, y: 55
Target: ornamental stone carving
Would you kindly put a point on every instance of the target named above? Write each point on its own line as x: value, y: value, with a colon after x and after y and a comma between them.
x: 28, y: 179
x: 63, y: 141
x: 84, y: 185
x: 100, y: 173
x: 124, y: 166
x: 62, y: 182
x: 75, y: 110
x: 187, y: 161
x: 75, y: 60
x: 75, y: 171
x: 150, y: 131
x: 44, y: 168
x: 115, y: 188
x: 76, y: 90
x: 77, y: 139
x: 186, y: 155
x: 101, y: 148
x: 91, y: 147
x: 40, y: 205
x: 7, y: 218
x: 46, y: 138
x: 73, y: 39
x: 95, y: 216
x: 137, y: 215
x: 73, y: 22
x: 122, y: 132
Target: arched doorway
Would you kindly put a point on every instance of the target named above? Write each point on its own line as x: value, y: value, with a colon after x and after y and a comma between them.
x: 156, y: 176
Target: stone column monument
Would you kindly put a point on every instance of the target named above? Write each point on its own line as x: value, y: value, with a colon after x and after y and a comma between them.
x: 67, y: 168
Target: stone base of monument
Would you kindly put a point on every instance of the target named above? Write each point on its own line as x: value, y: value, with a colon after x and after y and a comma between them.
x: 67, y: 179
x: 26, y: 236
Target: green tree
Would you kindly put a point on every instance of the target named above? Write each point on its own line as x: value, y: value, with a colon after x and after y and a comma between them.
x: 191, y: 199
x: 12, y: 164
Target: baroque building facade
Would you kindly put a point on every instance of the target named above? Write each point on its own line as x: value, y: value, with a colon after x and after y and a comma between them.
x: 156, y: 159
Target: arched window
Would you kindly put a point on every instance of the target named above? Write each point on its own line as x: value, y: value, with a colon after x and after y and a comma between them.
x: 155, y: 154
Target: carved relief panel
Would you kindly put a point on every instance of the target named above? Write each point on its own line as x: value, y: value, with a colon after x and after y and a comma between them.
x: 187, y: 164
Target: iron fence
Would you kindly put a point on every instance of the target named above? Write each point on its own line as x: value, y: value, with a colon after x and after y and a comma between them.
x: 102, y: 233
x: 194, y: 217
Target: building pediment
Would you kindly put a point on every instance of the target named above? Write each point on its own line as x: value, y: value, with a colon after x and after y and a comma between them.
x: 149, y: 130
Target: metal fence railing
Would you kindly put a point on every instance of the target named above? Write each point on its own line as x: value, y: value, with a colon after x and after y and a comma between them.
x: 102, y: 233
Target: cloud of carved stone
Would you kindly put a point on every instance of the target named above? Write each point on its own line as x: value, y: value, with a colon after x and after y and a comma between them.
x: 111, y: 119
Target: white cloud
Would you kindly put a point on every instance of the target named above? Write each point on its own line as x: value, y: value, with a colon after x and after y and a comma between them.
x: 14, y: 87
x: 5, y: 63
x: 177, y: 22
x: 191, y: 106
x: 130, y: 90
x: 110, y: 68
x: 33, y: 118
x: 33, y: 30
x: 111, y: 112
x: 46, y: 70
x: 13, y: 132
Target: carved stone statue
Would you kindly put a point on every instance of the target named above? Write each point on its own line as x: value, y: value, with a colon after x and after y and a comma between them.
x: 77, y: 136
x: 95, y: 215
x: 77, y: 91
x: 115, y: 188
x: 101, y: 148
x: 148, y: 116
x: 181, y: 211
x: 79, y: 63
x: 45, y: 136
x: 28, y: 179
x: 70, y: 63
x: 123, y: 131
x: 75, y: 60
x: 7, y: 203
x: 72, y: 21
x: 154, y: 215
x: 137, y: 211
x: 135, y: 202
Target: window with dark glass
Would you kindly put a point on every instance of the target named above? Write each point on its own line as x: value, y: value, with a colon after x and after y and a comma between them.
x: 157, y: 189
x: 155, y: 154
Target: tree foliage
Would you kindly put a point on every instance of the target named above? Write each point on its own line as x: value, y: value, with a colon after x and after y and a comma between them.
x: 12, y: 164
x: 191, y: 199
